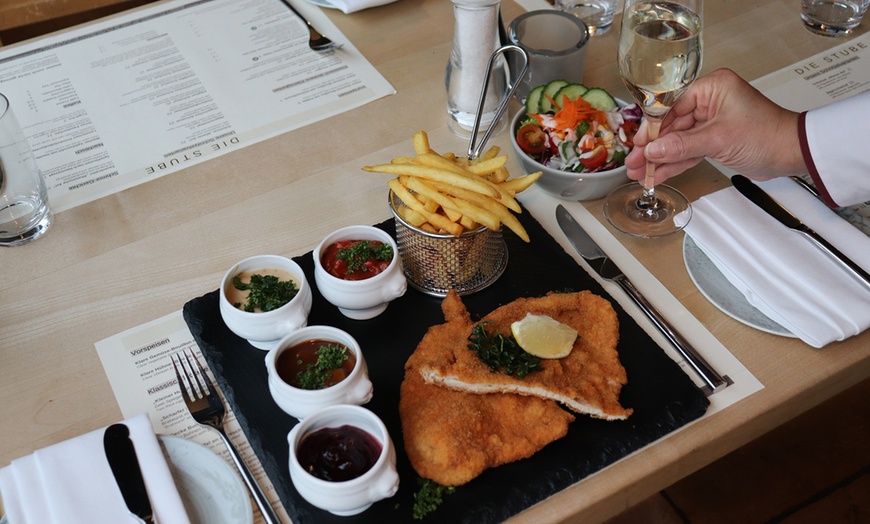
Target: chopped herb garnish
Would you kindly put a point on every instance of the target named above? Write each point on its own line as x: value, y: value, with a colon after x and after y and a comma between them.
x: 267, y: 292
x: 316, y: 375
x: 428, y: 497
x: 356, y: 255
x: 501, y: 352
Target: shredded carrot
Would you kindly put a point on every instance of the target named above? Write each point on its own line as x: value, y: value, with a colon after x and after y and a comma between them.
x: 575, y: 111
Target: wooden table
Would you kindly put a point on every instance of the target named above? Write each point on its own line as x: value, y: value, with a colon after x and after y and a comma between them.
x: 142, y: 253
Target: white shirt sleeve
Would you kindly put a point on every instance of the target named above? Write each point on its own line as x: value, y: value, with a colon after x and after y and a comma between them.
x: 836, y: 146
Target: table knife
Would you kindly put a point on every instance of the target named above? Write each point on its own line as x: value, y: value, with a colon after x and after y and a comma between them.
x: 768, y: 204
x: 607, y: 269
x: 125, y: 467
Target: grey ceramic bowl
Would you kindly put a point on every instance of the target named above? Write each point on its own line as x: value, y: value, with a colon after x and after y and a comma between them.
x: 563, y: 184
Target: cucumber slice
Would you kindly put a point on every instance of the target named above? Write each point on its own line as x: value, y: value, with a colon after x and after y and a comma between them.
x: 600, y: 99
x: 549, y: 92
x: 572, y: 91
x: 533, y: 101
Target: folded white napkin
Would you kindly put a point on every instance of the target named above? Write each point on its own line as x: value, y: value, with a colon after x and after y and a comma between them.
x: 351, y: 6
x: 779, y: 270
x: 72, y: 482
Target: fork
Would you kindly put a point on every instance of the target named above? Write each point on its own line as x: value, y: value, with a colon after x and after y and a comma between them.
x: 207, y: 409
x: 316, y: 41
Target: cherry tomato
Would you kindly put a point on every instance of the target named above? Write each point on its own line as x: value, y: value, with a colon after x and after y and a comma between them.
x: 595, y: 158
x: 532, y: 139
x: 627, y: 131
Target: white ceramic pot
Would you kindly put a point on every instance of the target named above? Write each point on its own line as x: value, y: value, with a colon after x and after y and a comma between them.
x: 353, y: 496
x: 360, y: 299
x: 264, y: 329
x: 300, y: 403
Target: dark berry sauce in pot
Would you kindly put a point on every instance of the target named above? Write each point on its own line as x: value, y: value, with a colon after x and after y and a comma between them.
x: 338, y: 454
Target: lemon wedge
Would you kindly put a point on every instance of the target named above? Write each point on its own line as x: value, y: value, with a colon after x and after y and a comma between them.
x: 543, y: 336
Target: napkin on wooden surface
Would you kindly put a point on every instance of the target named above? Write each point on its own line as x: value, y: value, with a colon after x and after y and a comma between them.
x: 779, y: 270
x: 351, y: 6
x: 71, y: 482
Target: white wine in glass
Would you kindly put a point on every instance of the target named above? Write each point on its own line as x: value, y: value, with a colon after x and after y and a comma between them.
x: 659, y: 58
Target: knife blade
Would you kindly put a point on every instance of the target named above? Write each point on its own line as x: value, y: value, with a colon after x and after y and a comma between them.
x: 768, y: 204
x: 607, y: 269
x: 125, y: 467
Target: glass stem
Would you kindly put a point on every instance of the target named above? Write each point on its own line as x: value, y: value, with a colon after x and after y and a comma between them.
x: 648, y: 200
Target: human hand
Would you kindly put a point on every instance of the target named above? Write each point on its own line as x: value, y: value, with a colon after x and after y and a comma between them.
x: 723, y: 118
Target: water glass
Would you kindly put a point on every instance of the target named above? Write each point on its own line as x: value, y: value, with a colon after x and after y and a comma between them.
x: 24, y: 211
x: 596, y: 14
x: 556, y: 45
x: 832, y: 17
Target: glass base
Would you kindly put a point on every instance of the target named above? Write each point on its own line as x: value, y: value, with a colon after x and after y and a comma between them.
x: 462, y: 124
x: 37, y: 230
x: 626, y: 210
x: 596, y: 14
x: 831, y: 18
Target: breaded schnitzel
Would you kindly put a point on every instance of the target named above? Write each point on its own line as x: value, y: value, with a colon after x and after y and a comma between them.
x: 451, y: 436
x: 587, y: 381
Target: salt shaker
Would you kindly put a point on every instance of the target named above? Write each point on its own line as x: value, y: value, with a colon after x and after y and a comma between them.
x: 475, y: 39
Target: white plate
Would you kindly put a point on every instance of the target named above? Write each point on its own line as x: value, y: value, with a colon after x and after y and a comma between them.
x: 210, y: 488
x: 718, y: 290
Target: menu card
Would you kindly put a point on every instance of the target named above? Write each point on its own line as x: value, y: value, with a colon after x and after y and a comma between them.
x: 117, y: 103
x: 832, y: 75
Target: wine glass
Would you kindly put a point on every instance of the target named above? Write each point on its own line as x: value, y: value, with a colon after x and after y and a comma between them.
x: 659, y: 58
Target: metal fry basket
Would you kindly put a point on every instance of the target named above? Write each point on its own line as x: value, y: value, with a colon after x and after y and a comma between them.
x: 436, y: 263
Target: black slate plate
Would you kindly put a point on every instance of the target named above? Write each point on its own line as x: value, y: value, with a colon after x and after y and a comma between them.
x: 662, y: 396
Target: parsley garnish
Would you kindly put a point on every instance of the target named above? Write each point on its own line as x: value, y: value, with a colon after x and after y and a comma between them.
x: 357, y: 254
x: 267, y: 292
x: 501, y: 352
x: 316, y: 375
x: 429, y: 497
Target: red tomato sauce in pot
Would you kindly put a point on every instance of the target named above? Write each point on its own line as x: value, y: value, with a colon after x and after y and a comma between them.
x: 356, y: 259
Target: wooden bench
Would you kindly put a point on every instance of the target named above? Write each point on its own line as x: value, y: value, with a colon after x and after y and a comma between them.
x: 24, y: 19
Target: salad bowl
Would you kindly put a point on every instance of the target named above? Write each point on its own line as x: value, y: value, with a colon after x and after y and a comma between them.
x: 567, y: 185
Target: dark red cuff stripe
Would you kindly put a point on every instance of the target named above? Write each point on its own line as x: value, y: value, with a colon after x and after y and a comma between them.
x: 808, y: 160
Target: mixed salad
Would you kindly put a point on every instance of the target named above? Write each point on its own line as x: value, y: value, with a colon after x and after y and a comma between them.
x: 574, y: 128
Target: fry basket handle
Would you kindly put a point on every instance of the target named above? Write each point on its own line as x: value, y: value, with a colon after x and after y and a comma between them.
x: 474, y: 149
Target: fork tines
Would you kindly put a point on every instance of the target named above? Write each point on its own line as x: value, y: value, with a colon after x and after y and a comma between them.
x: 192, y: 381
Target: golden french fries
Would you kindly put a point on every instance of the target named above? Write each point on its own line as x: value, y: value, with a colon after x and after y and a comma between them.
x: 448, y: 193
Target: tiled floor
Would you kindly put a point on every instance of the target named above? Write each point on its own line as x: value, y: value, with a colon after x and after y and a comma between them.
x: 813, y: 470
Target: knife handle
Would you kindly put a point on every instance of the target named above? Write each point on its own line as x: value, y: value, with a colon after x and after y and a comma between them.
x: 854, y: 269
x: 710, y: 376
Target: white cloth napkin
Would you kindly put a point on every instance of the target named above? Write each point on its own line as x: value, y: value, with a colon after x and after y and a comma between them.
x: 351, y: 6
x: 71, y: 482
x: 779, y: 270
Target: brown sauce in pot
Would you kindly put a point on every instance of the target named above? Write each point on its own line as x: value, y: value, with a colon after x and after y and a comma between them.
x: 300, y: 357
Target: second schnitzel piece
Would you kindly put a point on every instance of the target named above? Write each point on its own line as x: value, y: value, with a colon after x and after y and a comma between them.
x: 588, y: 380
x: 452, y: 436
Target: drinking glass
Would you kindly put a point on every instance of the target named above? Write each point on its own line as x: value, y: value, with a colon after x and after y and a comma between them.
x: 659, y: 58
x: 24, y: 212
